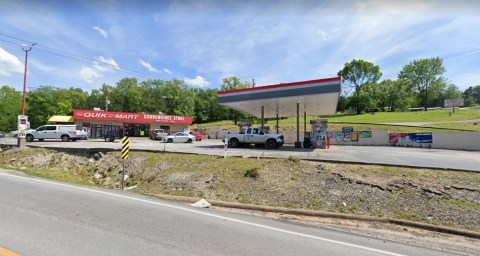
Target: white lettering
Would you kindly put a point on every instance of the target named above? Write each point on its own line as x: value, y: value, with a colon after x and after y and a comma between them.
x: 89, y: 114
x: 125, y: 116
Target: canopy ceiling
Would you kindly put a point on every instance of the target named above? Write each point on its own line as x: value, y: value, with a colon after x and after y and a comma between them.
x: 315, y: 97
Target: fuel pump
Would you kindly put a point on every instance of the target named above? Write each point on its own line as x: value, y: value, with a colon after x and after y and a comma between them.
x: 319, y: 133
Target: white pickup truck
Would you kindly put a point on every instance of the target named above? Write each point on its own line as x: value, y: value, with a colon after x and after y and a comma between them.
x: 59, y: 132
x: 254, y: 136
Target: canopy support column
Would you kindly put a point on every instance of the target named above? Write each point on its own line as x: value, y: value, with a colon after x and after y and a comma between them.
x: 277, y: 124
x: 263, y: 119
x: 298, y: 144
x: 304, y: 124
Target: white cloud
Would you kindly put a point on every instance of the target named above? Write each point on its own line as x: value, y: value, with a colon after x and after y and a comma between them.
x: 167, y: 71
x: 101, y: 31
x: 103, y: 65
x: 197, y: 81
x: 148, y: 66
x: 88, y: 74
x: 106, y: 64
x: 9, y: 64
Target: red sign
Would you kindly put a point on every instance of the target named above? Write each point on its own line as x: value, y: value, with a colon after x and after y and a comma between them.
x: 79, y: 114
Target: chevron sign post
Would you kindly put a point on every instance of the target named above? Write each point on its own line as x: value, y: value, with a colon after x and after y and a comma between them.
x: 125, y: 151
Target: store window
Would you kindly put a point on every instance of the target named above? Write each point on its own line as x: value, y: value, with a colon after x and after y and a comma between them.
x: 101, y: 130
x: 137, y: 130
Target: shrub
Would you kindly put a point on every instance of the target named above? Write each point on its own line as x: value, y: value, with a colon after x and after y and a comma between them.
x: 251, y: 173
x: 294, y: 176
x: 294, y: 159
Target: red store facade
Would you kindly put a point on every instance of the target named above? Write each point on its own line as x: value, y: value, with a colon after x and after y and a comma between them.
x: 100, y: 123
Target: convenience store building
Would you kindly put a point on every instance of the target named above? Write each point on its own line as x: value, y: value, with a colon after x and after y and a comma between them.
x: 99, y: 123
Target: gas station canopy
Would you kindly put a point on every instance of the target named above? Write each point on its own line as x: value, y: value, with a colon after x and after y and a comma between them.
x: 315, y: 97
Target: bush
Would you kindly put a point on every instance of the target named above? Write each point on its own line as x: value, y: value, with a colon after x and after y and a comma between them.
x: 294, y: 176
x: 251, y: 173
x: 294, y: 159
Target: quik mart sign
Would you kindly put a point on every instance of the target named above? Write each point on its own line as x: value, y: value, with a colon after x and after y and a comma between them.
x: 89, y: 115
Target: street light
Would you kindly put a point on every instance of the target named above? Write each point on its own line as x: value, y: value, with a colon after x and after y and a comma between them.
x: 26, y: 48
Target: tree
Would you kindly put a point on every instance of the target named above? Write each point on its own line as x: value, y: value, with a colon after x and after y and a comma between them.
x: 422, y: 75
x: 98, y: 97
x: 179, y: 98
x: 391, y: 95
x: 153, y: 97
x: 45, y: 102
x: 472, y: 96
x: 358, y: 73
x: 451, y: 92
x: 207, y: 108
x: 126, y: 96
x: 233, y: 83
x: 10, y: 108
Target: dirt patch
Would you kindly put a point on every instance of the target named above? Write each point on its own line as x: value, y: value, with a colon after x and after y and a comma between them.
x: 433, y: 196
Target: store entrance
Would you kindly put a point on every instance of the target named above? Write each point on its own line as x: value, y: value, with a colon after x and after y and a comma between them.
x: 102, y: 130
x: 136, y: 130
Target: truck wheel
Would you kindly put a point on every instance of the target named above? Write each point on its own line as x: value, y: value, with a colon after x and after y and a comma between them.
x: 234, y: 143
x: 65, y: 138
x: 170, y: 140
x: 29, y: 138
x: 271, y: 144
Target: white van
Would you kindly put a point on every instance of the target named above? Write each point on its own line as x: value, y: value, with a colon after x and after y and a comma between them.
x: 55, y: 132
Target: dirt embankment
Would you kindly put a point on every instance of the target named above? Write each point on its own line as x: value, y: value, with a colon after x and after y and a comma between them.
x: 433, y: 196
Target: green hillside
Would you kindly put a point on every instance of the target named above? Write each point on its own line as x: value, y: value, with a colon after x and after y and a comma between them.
x: 418, y: 121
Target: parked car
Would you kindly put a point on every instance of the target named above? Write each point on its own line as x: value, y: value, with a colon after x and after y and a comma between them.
x: 198, y: 136
x: 157, y: 134
x: 2, y: 135
x: 179, y: 137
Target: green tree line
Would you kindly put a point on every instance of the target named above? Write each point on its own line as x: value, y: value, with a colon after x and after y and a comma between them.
x: 172, y: 97
x: 419, y: 83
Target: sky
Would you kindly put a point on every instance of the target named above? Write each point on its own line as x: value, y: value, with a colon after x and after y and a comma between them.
x: 84, y: 44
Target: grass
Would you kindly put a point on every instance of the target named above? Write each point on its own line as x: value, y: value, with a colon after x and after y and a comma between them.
x: 379, y: 120
x: 52, y: 174
x: 463, y: 204
x: 417, y: 116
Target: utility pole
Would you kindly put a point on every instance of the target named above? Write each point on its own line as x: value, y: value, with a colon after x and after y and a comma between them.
x: 26, y: 48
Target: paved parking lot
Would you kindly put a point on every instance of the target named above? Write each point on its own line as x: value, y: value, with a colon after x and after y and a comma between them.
x: 415, y: 157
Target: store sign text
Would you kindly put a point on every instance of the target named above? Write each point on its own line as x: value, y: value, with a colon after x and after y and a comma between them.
x: 120, y: 116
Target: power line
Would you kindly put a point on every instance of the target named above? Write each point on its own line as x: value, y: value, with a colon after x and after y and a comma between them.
x: 10, y: 42
x: 76, y: 57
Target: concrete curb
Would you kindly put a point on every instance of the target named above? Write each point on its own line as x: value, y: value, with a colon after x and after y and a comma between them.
x: 323, y: 214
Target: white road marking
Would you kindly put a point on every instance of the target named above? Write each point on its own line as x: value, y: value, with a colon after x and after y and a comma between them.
x: 208, y: 214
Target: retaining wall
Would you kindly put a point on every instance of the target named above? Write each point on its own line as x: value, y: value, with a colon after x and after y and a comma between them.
x: 441, y: 140
x: 456, y: 140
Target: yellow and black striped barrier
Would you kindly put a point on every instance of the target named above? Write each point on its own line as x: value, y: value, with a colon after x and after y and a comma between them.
x: 125, y: 147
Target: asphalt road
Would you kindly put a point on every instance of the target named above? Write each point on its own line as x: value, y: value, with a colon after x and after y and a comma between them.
x: 40, y: 217
x: 414, y: 157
